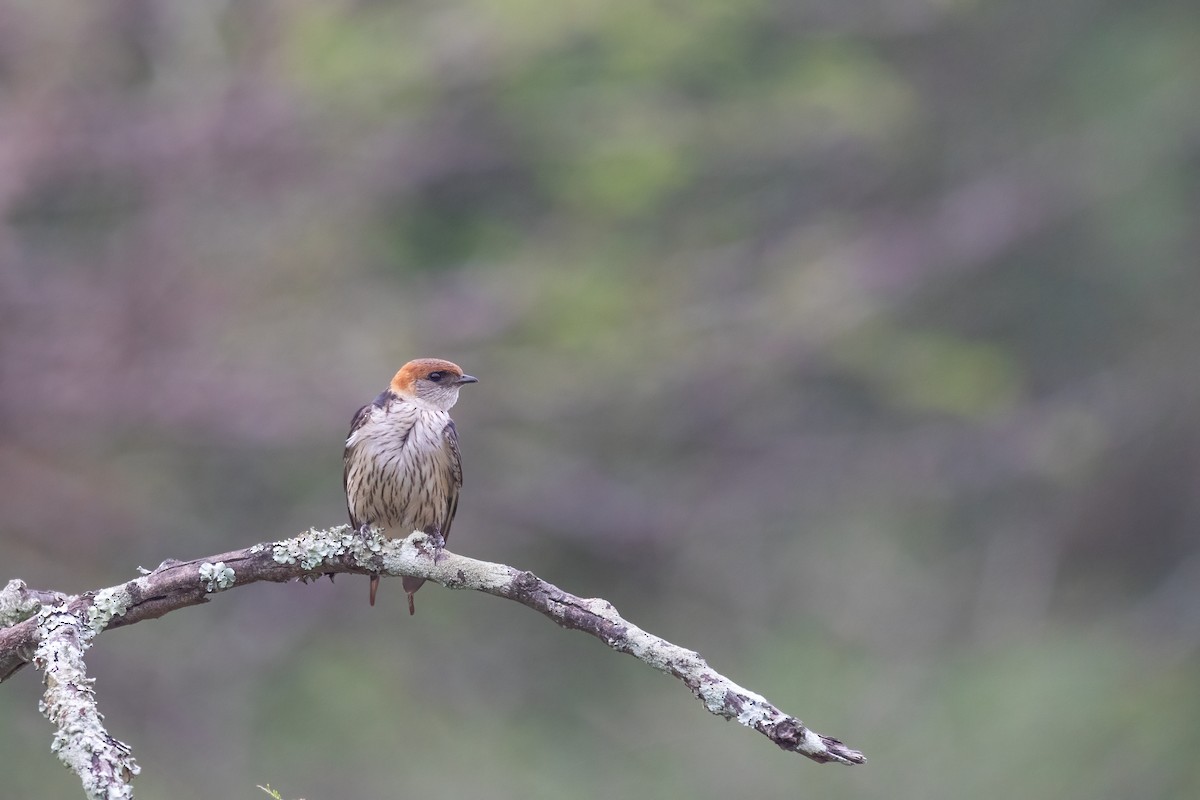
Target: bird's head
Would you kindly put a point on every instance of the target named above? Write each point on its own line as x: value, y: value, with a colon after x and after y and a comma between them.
x: 433, y: 380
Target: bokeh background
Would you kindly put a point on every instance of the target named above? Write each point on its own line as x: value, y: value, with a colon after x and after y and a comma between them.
x: 851, y: 344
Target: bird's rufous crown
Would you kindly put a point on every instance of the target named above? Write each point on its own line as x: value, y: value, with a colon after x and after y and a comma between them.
x: 420, y: 368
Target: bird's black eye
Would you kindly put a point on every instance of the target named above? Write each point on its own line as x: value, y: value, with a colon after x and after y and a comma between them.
x: 436, y: 377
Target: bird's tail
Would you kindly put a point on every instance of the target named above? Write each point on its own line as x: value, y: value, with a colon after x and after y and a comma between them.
x: 410, y: 586
x: 375, y: 588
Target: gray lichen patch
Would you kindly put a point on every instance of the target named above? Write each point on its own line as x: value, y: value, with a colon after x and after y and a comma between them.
x: 364, y: 548
x: 103, y: 764
x: 316, y: 547
x: 311, y: 548
x: 107, y: 603
x: 415, y: 549
x: 653, y: 650
x: 812, y: 743
x: 713, y: 694
x: 216, y: 576
x: 415, y: 555
x: 15, y: 604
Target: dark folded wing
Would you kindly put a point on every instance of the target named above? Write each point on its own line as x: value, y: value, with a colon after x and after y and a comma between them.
x: 360, y: 418
x: 450, y: 442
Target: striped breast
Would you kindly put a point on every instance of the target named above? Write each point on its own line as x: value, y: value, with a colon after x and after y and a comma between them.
x: 400, y: 471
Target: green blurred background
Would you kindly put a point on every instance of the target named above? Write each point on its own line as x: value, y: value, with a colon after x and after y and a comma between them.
x: 853, y: 345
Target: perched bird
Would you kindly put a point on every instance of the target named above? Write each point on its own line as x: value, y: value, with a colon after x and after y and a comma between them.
x: 402, y: 466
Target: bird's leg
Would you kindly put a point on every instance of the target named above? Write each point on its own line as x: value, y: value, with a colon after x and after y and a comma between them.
x: 364, y: 532
x: 439, y: 542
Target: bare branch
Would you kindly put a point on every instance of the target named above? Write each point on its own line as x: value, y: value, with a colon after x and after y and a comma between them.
x: 56, y: 638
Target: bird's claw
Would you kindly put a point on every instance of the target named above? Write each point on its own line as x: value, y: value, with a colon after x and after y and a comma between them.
x: 439, y: 545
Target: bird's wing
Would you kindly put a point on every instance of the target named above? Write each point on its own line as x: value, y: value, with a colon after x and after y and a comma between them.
x: 361, y: 417
x: 450, y: 442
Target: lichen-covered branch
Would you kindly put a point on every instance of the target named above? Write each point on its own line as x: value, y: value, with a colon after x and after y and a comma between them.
x: 56, y: 638
x: 19, y: 602
x: 81, y: 742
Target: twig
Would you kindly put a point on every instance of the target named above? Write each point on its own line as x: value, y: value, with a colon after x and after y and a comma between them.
x: 57, y: 637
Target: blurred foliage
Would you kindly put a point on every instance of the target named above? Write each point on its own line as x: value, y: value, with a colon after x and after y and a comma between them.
x: 852, y: 345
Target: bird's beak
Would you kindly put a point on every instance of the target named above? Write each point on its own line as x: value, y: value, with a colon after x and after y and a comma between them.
x: 467, y: 379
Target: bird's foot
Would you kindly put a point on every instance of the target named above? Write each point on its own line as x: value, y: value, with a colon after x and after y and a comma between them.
x: 439, y: 545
